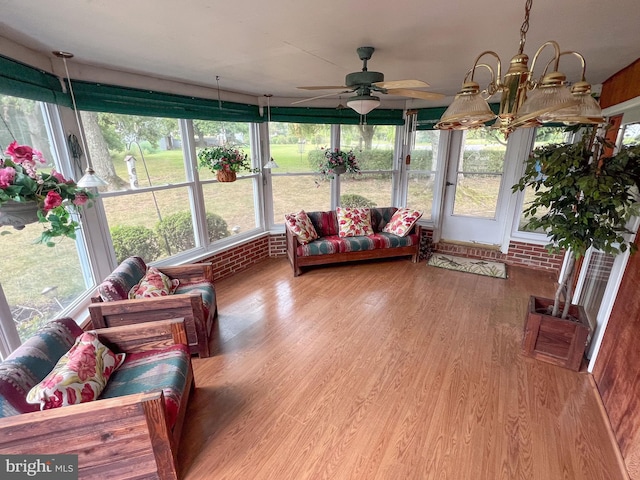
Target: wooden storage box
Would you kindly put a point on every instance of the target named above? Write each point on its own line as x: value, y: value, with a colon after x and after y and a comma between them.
x: 554, y: 340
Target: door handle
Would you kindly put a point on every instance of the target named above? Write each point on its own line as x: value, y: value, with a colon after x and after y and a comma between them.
x: 448, y: 184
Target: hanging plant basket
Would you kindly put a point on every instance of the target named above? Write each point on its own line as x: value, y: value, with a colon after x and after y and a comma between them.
x: 340, y: 169
x: 226, y: 176
x: 18, y: 214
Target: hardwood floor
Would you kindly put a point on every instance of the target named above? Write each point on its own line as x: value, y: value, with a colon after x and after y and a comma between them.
x: 386, y: 370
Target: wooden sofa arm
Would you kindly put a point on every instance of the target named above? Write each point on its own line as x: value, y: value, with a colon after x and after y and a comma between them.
x: 292, y: 251
x: 188, y: 306
x: 144, y: 309
x: 192, y: 272
x: 118, y: 438
x: 141, y: 337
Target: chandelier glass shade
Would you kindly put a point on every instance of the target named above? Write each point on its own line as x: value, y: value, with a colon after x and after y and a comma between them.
x: 524, y: 102
x: 468, y: 109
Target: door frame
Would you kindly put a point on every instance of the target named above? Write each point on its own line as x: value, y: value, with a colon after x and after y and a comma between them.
x: 519, y: 146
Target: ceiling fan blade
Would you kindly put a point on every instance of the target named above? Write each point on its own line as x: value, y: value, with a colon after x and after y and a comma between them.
x: 320, y: 96
x: 415, y: 94
x: 402, y: 84
x: 322, y: 87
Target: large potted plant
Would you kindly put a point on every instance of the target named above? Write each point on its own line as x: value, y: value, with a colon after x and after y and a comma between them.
x: 225, y: 161
x: 28, y: 195
x: 583, y: 197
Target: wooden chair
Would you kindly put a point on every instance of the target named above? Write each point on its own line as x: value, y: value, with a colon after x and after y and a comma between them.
x: 126, y: 437
x: 194, y: 300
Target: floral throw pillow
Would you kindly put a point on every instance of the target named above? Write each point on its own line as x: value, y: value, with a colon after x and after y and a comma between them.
x: 79, y: 376
x: 402, y: 221
x: 301, y: 226
x: 154, y: 284
x: 354, y: 222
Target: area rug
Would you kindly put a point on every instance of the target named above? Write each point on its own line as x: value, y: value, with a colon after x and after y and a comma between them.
x: 469, y: 265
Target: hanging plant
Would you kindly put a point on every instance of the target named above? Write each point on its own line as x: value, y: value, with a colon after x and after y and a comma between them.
x: 50, y: 195
x: 225, y: 161
x: 337, y: 162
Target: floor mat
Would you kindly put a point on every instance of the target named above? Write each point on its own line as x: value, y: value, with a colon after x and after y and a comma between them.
x: 469, y: 265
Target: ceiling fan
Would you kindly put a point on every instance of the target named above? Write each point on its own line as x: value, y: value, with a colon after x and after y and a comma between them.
x: 364, y: 83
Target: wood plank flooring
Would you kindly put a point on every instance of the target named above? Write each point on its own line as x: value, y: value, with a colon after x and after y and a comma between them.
x: 386, y: 370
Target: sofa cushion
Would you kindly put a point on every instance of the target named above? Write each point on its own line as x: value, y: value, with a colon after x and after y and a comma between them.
x: 301, y: 226
x: 335, y: 244
x: 325, y: 223
x: 380, y: 216
x: 31, y: 362
x: 163, y: 369
x: 126, y: 275
x: 153, y: 284
x: 354, y: 222
x: 79, y: 376
x: 205, y: 289
x: 402, y: 221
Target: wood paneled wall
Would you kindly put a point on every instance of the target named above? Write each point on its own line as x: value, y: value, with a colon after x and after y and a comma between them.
x: 622, y: 86
x: 617, y: 369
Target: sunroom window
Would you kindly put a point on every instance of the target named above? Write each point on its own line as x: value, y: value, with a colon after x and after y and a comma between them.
x: 230, y: 207
x: 373, y: 146
x: 544, y: 136
x: 146, y: 200
x: 422, y: 172
x: 296, y: 184
x: 31, y: 297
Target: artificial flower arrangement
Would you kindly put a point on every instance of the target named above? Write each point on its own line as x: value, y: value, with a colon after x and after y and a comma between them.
x: 337, y: 161
x: 52, y: 195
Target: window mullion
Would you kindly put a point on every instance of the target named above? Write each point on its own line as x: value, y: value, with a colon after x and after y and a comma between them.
x: 196, y: 195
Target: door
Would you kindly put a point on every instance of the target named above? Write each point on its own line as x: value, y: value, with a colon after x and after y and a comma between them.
x: 480, y: 172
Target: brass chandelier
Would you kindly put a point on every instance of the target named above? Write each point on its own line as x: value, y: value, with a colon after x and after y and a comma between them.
x: 524, y: 101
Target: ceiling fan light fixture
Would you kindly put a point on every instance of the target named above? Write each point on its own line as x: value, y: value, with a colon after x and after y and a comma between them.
x: 363, y: 104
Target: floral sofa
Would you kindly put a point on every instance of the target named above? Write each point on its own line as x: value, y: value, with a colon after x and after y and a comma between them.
x: 135, y: 292
x: 133, y: 428
x: 349, y: 234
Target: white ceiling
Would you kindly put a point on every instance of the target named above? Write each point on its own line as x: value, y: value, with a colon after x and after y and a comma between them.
x: 273, y: 46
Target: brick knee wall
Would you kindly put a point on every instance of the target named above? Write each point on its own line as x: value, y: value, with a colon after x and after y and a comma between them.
x: 241, y: 257
x: 278, y: 245
x: 520, y: 254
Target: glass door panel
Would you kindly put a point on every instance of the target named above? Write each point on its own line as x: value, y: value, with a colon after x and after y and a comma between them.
x: 479, y: 174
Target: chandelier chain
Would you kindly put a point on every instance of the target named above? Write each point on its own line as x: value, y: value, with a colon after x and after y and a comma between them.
x: 525, y: 25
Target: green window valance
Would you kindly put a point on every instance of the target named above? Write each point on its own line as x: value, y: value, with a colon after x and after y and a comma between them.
x: 21, y: 80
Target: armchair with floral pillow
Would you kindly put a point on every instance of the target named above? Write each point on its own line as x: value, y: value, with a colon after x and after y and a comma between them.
x: 135, y: 292
x: 117, y: 398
